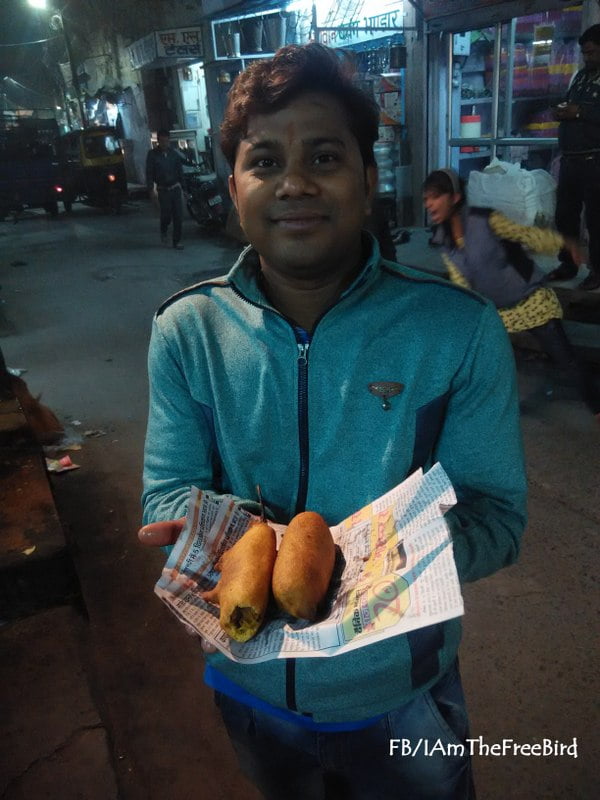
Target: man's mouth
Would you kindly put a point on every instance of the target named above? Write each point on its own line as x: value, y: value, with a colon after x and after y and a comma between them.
x: 298, y: 220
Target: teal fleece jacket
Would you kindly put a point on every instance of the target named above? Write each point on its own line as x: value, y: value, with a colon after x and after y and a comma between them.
x: 237, y: 399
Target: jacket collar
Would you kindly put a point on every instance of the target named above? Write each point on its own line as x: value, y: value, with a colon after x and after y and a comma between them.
x: 245, y: 273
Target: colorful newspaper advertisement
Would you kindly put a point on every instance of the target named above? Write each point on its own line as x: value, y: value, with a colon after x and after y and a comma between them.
x: 394, y: 572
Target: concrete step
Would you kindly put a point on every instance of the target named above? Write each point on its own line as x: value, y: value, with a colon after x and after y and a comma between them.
x: 36, y: 569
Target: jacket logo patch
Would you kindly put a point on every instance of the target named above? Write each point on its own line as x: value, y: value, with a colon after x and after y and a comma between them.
x: 385, y: 390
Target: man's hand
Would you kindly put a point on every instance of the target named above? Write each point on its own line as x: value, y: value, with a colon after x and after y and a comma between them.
x: 575, y: 251
x: 153, y: 194
x: 567, y: 111
x: 159, y: 534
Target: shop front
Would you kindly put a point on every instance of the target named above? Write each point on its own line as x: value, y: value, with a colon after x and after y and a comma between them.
x: 493, y: 83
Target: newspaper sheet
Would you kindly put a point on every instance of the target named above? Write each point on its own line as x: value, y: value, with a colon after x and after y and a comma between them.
x: 394, y: 572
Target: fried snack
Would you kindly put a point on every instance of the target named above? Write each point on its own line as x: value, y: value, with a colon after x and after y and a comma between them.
x: 244, y: 588
x: 303, y: 566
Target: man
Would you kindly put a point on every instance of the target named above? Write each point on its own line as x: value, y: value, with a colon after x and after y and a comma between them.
x: 266, y: 377
x: 579, y: 175
x: 164, y: 169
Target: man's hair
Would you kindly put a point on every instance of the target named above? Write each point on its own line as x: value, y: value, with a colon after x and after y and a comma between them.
x: 445, y: 181
x: 268, y: 85
x: 591, y: 35
x: 163, y: 132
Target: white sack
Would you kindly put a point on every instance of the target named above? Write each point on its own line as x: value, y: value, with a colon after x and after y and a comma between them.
x: 525, y: 196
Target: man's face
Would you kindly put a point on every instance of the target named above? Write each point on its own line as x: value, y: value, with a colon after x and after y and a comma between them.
x: 440, y: 207
x: 301, y: 189
x: 590, y: 53
x: 163, y: 142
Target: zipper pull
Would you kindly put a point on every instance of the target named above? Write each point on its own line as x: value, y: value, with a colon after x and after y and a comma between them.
x: 303, y: 353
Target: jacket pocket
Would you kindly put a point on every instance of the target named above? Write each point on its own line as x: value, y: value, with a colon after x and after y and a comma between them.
x: 428, y: 424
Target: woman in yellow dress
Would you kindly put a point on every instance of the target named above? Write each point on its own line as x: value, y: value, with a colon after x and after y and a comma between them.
x: 485, y: 251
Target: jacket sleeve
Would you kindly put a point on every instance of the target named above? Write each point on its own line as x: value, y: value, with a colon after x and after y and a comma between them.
x: 538, y: 240
x: 150, y: 176
x: 480, y: 448
x: 180, y: 450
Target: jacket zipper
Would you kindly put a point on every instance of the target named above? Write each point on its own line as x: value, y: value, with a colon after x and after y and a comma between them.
x: 303, y: 339
x: 303, y: 342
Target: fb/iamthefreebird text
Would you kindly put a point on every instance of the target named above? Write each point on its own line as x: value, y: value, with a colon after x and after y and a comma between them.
x: 410, y: 748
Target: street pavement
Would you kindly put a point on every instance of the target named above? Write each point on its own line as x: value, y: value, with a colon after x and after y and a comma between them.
x: 106, y: 700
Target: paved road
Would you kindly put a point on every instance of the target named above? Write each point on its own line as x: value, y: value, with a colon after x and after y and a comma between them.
x: 134, y: 720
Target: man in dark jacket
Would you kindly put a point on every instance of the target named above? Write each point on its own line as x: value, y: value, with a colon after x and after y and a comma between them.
x: 579, y: 176
x: 164, y: 170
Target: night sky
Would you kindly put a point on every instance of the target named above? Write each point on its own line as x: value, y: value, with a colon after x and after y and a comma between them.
x: 26, y: 64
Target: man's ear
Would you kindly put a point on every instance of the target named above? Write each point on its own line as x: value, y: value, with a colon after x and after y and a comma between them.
x: 371, y: 179
x: 232, y: 190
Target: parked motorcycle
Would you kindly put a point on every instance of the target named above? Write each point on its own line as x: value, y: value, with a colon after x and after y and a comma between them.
x: 204, y: 200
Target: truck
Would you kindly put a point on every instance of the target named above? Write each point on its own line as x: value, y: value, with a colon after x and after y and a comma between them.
x: 29, y: 171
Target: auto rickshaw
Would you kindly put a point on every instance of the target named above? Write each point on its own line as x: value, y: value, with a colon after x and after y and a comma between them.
x: 92, y: 168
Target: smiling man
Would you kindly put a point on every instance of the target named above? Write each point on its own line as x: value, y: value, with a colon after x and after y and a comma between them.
x: 272, y: 374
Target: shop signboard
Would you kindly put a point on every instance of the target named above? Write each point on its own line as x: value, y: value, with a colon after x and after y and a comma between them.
x: 347, y: 24
x: 460, y: 15
x: 179, y: 43
x: 164, y: 48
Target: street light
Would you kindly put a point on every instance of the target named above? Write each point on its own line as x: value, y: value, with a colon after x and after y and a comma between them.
x: 58, y: 21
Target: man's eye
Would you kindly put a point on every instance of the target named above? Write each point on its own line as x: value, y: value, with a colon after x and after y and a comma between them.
x: 263, y: 163
x: 326, y: 158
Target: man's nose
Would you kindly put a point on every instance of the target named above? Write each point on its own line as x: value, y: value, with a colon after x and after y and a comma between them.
x: 296, y: 181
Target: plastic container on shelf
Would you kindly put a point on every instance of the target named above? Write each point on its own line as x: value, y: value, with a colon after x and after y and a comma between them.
x: 384, y: 158
x: 470, y: 128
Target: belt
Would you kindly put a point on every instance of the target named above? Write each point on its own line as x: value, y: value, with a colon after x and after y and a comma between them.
x: 172, y: 186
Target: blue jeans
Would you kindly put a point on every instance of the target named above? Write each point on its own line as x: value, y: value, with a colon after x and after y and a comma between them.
x: 286, y: 762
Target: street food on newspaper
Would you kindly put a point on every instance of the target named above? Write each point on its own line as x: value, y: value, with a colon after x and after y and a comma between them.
x: 244, y: 589
x: 304, y: 566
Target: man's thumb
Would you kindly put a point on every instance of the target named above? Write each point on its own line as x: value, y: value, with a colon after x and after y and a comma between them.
x: 159, y: 534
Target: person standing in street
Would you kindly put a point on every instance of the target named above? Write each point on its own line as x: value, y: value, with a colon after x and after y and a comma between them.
x: 326, y: 374
x: 579, y: 174
x: 164, y: 178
